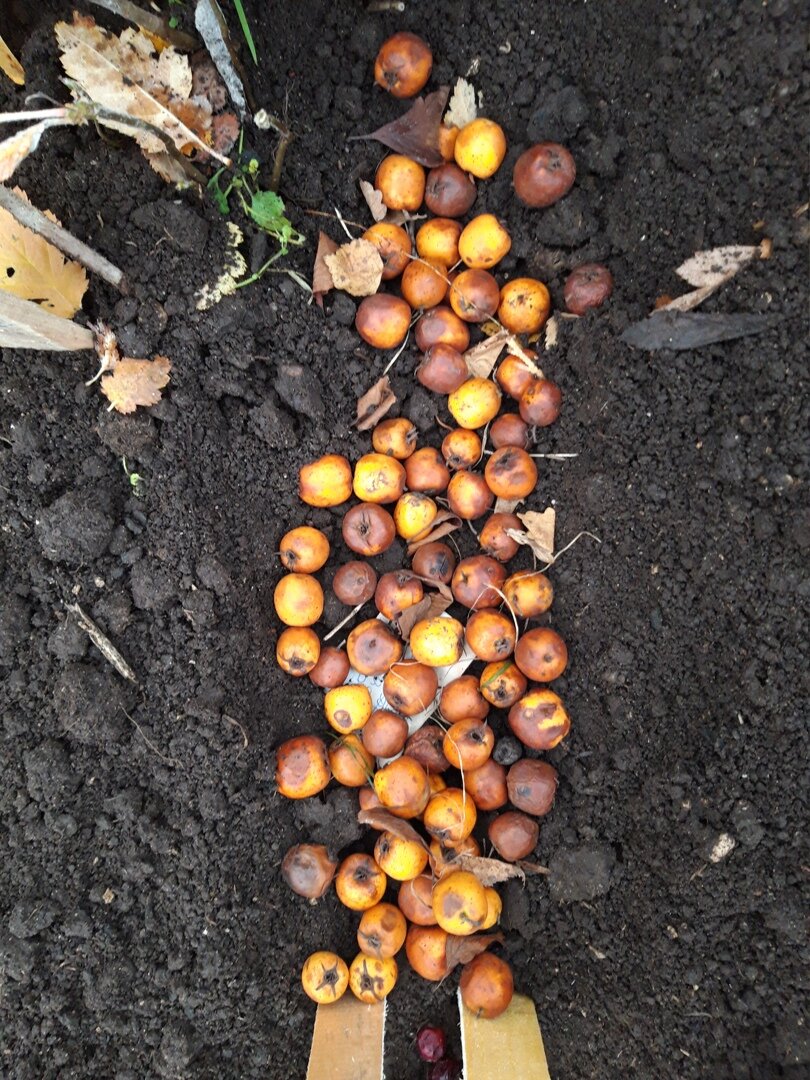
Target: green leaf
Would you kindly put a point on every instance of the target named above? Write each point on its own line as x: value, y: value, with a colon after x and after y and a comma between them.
x: 243, y: 22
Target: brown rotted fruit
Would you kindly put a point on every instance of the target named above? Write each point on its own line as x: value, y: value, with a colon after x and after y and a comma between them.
x: 491, y: 635
x: 511, y: 473
x: 541, y: 402
x: 297, y: 650
x: 308, y: 869
x: 461, y: 698
x: 410, y: 687
x: 385, y: 733
x: 441, y: 326
x: 450, y: 816
x: 474, y: 295
x: 495, y: 539
x: 394, y: 246
x: 373, y: 648
x: 437, y: 241
x: 462, y: 448
x: 446, y: 857
x: 359, y: 882
x: 396, y: 591
x: 424, y: 284
x: 395, y: 437
x: 449, y: 191
x: 528, y: 593
x: 368, y: 529
x: 403, y: 787
x: 443, y: 369
x: 589, y: 286
x: 434, y: 561
x: 382, y: 320
x: 513, y: 835
x: 351, y: 763
x: 539, y: 719
x: 325, y: 482
x: 486, y: 985
x: 403, y: 64
x: 415, y: 900
x: 401, y: 182
x: 426, y: 949
x: 298, y: 600
x: 502, y: 684
x: 541, y: 654
x: 468, y: 743
x: 487, y: 785
x: 459, y: 902
x: 425, y: 746
x: 426, y: 471
x: 532, y: 785
x: 525, y: 305
x: 469, y: 495
x: 304, y: 550
x: 367, y: 798
x: 509, y: 429
x: 302, y: 767
x: 378, y: 478
x: 543, y: 174
x: 476, y: 580
x: 354, y: 582
x: 331, y: 669
x: 513, y: 376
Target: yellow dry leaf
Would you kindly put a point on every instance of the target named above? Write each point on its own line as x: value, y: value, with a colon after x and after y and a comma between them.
x: 11, y: 65
x: 124, y: 74
x: 135, y: 382
x: 16, y: 148
x: 356, y: 268
x: 33, y: 269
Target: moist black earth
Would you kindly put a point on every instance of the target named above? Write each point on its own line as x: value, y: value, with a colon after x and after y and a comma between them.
x: 144, y: 926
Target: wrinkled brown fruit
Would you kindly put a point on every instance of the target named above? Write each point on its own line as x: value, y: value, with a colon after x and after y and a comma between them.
x: 509, y: 430
x: 532, y: 785
x: 368, y: 529
x: 513, y: 835
x: 354, y: 582
x: 309, y: 870
x: 541, y: 402
x: 543, y: 174
x: 435, y: 561
x: 589, y: 286
x: 449, y: 191
x: 476, y: 580
x: 425, y: 746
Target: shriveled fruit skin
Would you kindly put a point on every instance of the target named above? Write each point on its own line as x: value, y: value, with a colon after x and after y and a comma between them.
x: 309, y: 870
x: 403, y: 64
x: 543, y: 174
x: 513, y: 835
x: 539, y: 719
x: 586, y: 287
x: 486, y: 985
x: 532, y: 785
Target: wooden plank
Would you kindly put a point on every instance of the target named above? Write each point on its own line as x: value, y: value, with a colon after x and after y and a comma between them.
x: 347, y: 1041
x: 506, y: 1048
x: 24, y: 325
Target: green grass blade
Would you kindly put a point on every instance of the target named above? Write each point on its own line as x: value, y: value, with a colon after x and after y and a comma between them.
x: 243, y: 22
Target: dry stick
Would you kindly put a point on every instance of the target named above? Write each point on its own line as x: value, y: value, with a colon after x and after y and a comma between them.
x: 155, y: 24
x: 37, y: 222
x: 343, y: 622
x: 149, y: 743
x: 103, y: 644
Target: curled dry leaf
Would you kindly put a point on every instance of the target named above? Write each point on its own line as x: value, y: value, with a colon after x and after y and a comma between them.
x: 427, y: 608
x: 135, y: 382
x: 374, y: 200
x: 33, y: 269
x: 532, y: 868
x: 16, y: 148
x: 416, y: 133
x: 490, y: 871
x: 11, y: 65
x: 443, y: 524
x: 321, y: 276
x: 385, y: 821
x: 506, y: 506
x: 552, y: 330
x: 356, y: 268
x: 463, y: 107
x: 539, y: 534
x: 460, y: 950
x: 374, y: 404
x: 709, y: 270
x: 481, y: 358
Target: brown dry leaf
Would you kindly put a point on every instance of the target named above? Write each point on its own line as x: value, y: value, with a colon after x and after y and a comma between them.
x: 552, y: 332
x: 460, y: 950
x: 506, y: 506
x: 321, y: 277
x: 532, y: 868
x: 125, y: 75
x: 490, y: 871
x: 385, y: 821
x: 374, y: 404
x: 33, y: 269
x: 17, y: 147
x: 11, y: 65
x: 356, y: 268
x: 374, y: 200
x: 444, y: 523
x: 539, y: 534
x: 463, y: 107
x: 427, y: 608
x: 516, y: 349
x: 708, y: 270
x: 135, y: 382
x: 482, y: 358
x: 416, y: 133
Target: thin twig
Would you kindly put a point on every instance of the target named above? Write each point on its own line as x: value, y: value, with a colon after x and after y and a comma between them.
x: 340, y: 218
x: 149, y: 743
x: 571, y: 544
x: 236, y: 723
x: 343, y: 622
x: 35, y: 220
x: 103, y: 644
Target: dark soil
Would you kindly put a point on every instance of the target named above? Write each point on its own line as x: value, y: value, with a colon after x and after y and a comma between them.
x: 144, y: 927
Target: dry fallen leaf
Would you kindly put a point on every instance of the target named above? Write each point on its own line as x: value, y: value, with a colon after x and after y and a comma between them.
x: 33, y: 269
x: 356, y: 268
x: 552, y: 332
x: 374, y: 200
x: 125, y: 75
x: 374, y: 404
x: 481, y: 358
x: 463, y: 107
x: 321, y: 277
x: 444, y: 523
x: 416, y: 133
x: 539, y: 534
x: 708, y: 270
x: 506, y: 506
x: 667, y: 329
x: 17, y: 147
x: 460, y: 950
x: 11, y: 65
x: 135, y: 382
x: 385, y: 821
x: 429, y: 607
x: 490, y: 871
